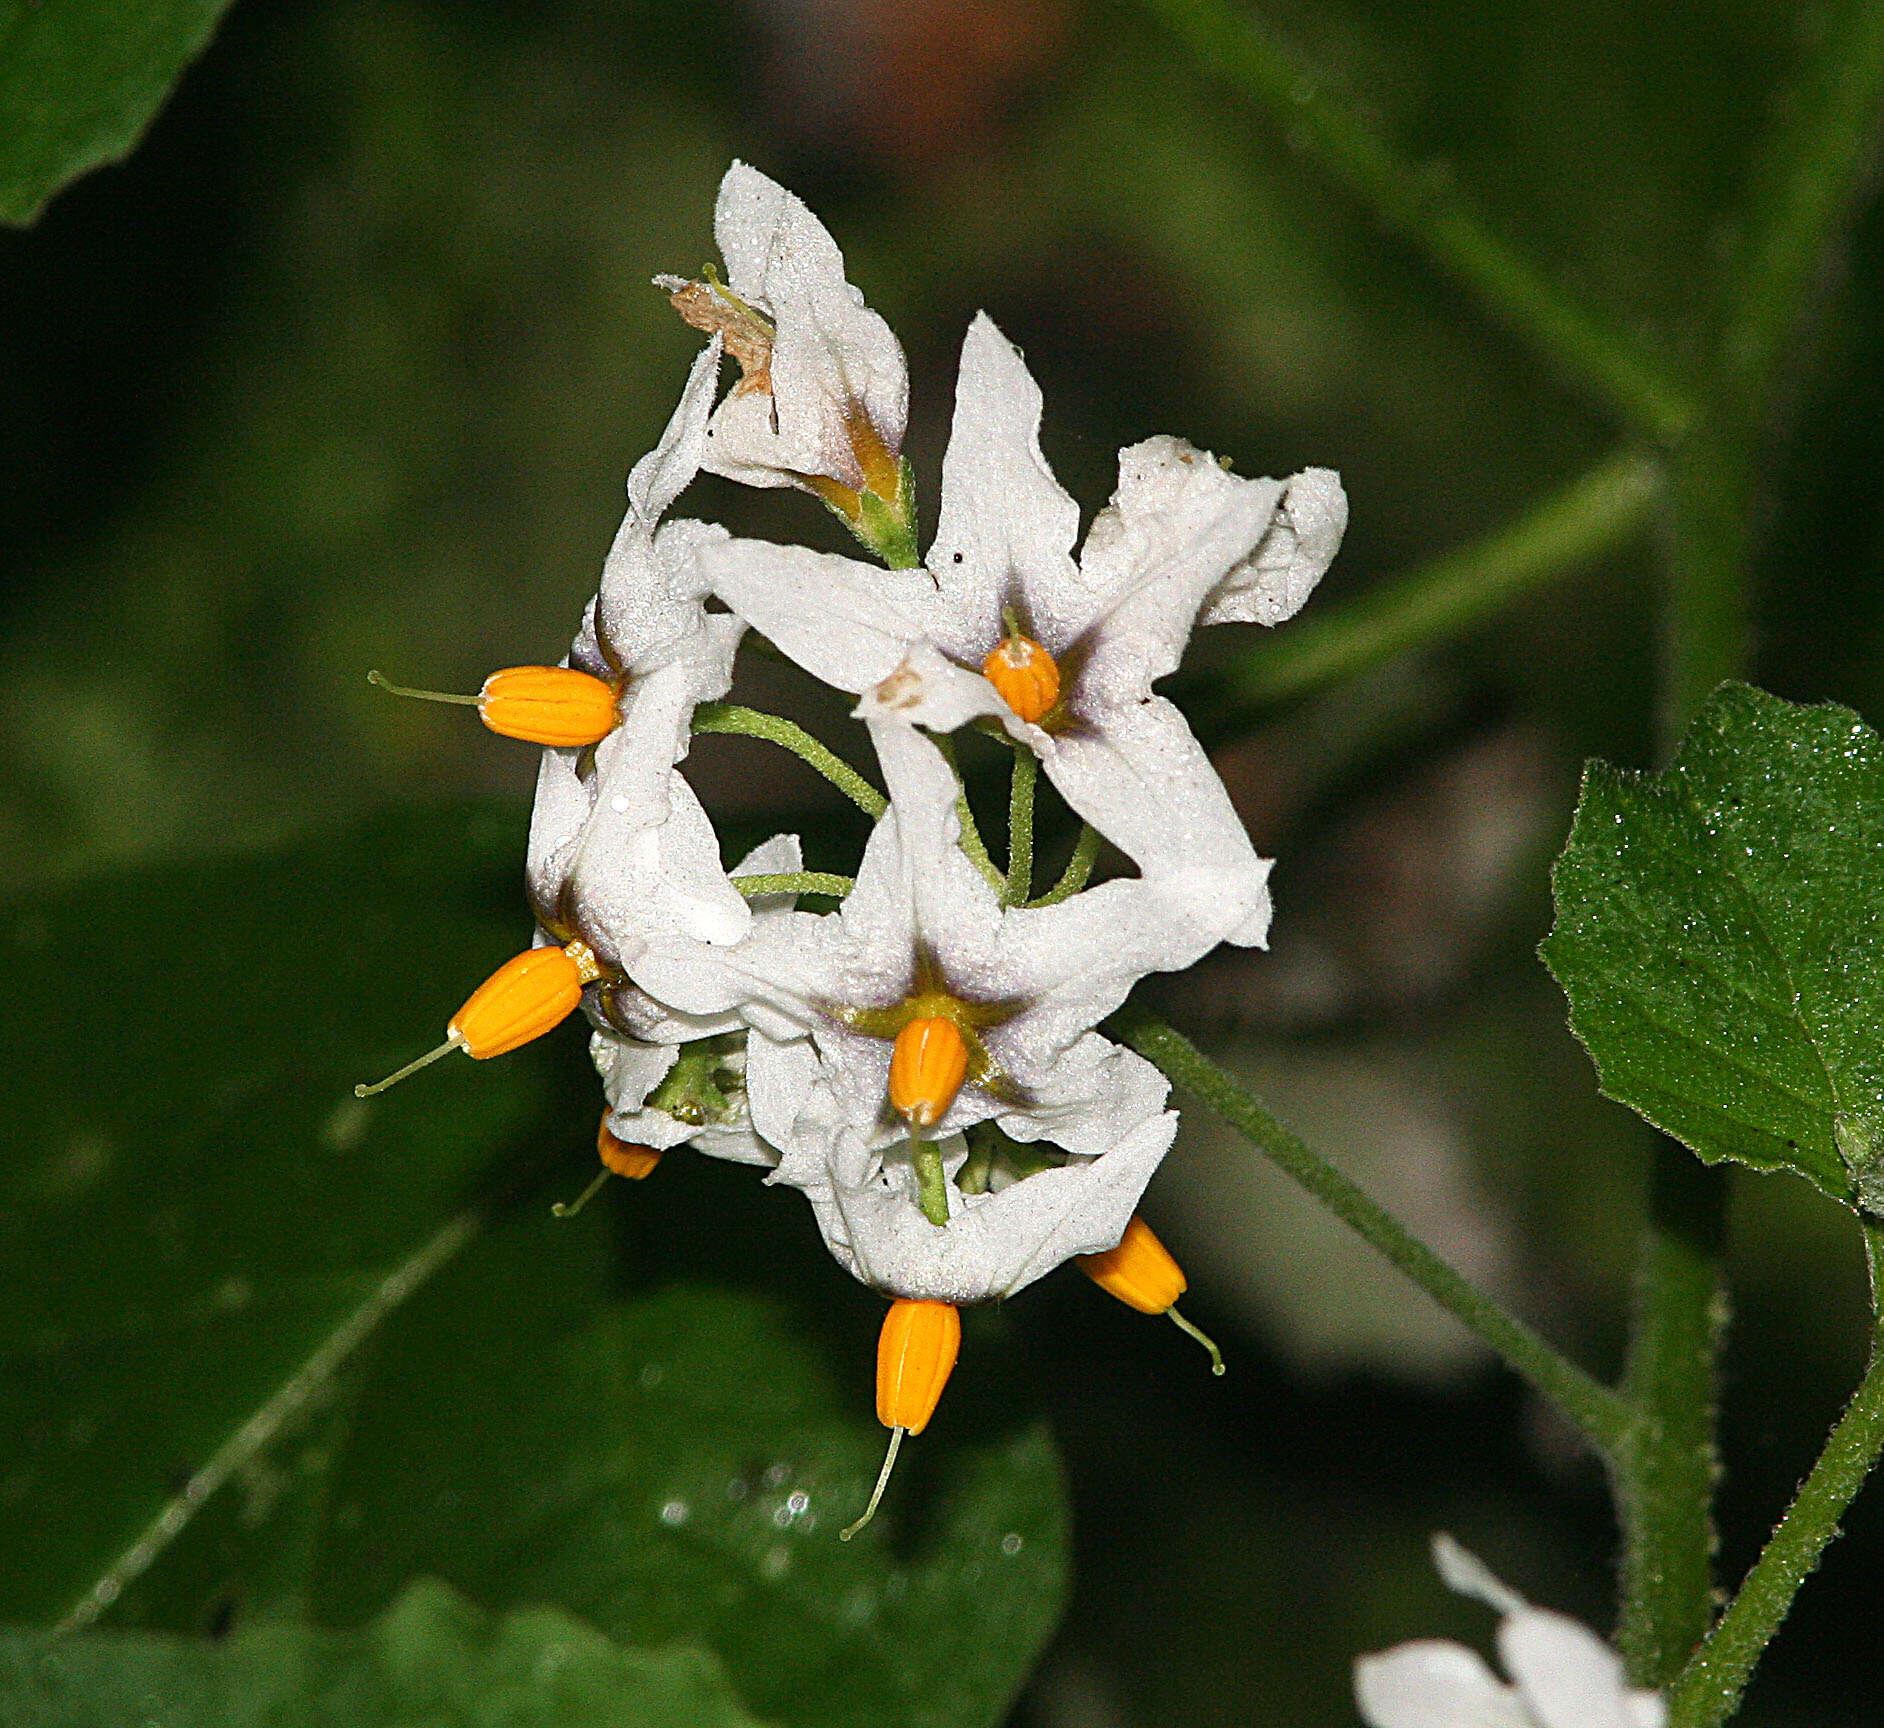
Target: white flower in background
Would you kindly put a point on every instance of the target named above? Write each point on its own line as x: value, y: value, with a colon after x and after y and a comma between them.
x: 923, y: 939
x: 823, y: 395
x: 1562, y: 1674
x: 618, y: 842
x: 1069, y: 650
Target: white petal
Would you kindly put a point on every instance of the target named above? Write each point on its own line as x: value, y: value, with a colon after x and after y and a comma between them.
x: 665, y: 472
x: 562, y: 807
x: 927, y: 690
x: 1141, y: 778
x: 1006, y: 529
x: 1466, y: 1573
x: 848, y: 624
x: 1568, y: 1676
x: 1275, y: 581
x: 631, y: 879
x: 1433, y: 1684
x: 993, y: 1244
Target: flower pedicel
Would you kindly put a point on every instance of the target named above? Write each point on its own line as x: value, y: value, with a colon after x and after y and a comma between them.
x: 923, y: 1060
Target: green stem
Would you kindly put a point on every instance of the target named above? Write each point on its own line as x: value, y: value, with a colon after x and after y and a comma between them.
x: 1600, y: 1414
x: 1707, y: 1690
x: 1664, y: 1474
x: 1597, y: 512
x: 972, y: 842
x: 1425, y: 206
x: 732, y: 720
x: 1020, y: 827
x: 796, y: 882
x: 1078, y: 868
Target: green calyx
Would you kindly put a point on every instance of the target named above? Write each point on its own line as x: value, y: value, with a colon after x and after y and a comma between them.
x: 703, y: 1088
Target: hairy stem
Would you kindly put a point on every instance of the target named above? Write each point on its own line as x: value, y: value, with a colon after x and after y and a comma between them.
x: 1708, y: 1689
x: 730, y: 719
x: 1020, y: 827
x: 795, y: 882
x: 1425, y: 206
x: 1078, y: 868
x: 1600, y: 1414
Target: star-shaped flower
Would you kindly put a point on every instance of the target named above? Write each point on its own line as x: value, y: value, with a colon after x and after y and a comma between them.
x: 1562, y: 1674
x: 923, y: 939
x: 1070, y: 650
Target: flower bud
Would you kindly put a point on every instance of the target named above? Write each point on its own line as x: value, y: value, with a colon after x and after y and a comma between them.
x: 523, y: 999
x: 927, y: 1067
x: 554, y: 705
x: 916, y: 1353
x: 634, y: 1162
x: 1026, y: 676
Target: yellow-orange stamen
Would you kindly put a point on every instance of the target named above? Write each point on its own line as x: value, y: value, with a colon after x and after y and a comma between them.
x: 554, y: 705
x: 882, y: 472
x: 928, y: 1064
x: 634, y: 1162
x: 1026, y: 675
x: 619, y: 1158
x: 523, y: 999
x: 916, y: 1353
x: 1142, y: 1274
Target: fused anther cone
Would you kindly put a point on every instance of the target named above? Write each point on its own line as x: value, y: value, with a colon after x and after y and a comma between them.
x: 928, y: 1064
x: 1026, y: 675
x: 623, y: 1158
x: 916, y: 1353
x: 554, y: 705
x: 523, y: 999
x: 1139, y: 1271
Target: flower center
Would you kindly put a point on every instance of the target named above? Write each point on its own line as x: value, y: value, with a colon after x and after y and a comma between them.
x: 928, y: 1064
x: 1025, y: 674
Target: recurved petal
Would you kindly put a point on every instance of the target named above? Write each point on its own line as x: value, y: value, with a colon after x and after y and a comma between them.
x: 1431, y: 1683
x: 1006, y: 529
x: 1275, y: 581
x: 1141, y: 778
x: 665, y: 472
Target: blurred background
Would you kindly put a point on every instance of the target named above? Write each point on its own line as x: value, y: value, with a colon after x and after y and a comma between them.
x: 346, y: 366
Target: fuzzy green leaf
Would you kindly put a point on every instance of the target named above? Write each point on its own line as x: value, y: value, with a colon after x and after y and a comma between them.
x: 431, y: 1658
x: 1720, y: 935
x: 79, y: 82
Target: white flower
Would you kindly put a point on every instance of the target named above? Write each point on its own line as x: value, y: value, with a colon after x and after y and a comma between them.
x: 654, y: 1062
x: 826, y: 994
x: 1180, y: 538
x: 825, y: 391
x: 1562, y: 1674
x: 618, y: 842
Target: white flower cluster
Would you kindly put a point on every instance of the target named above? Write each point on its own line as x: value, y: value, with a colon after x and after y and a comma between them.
x: 755, y: 1031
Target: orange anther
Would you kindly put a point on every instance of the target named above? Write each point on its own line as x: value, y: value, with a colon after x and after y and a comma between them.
x: 634, y: 1162
x: 1025, y: 674
x: 555, y: 705
x: 523, y: 999
x: 1139, y: 1271
x: 882, y: 472
x: 927, y: 1067
x: 916, y: 1353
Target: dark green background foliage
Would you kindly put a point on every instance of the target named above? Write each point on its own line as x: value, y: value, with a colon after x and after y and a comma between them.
x: 344, y: 367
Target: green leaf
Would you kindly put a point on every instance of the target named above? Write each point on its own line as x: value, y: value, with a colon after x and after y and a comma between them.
x: 79, y: 82
x: 431, y: 1658
x: 680, y: 1472
x: 199, y: 1223
x: 1720, y: 935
